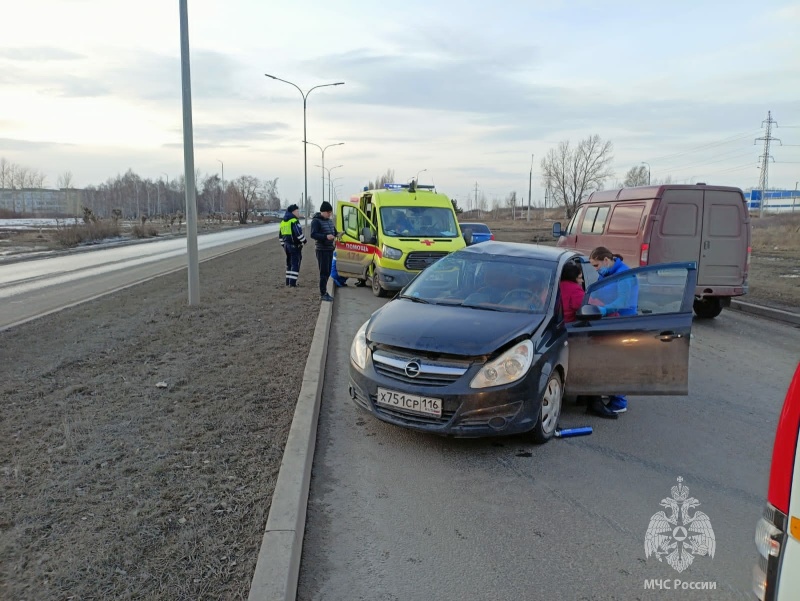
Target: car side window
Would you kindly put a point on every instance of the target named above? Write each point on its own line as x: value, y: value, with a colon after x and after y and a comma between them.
x: 651, y: 292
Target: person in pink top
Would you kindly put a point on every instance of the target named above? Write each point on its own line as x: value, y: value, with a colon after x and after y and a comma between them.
x: 571, y: 286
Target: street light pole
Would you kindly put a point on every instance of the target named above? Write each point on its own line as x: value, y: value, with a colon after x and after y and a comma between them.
x: 648, y: 171
x: 324, y: 169
x: 305, y: 136
x: 166, y: 189
x: 416, y: 177
x: 222, y: 184
x: 530, y: 181
x: 323, y: 163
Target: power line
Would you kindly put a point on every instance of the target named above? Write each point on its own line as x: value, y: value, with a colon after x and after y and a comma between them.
x: 722, y: 142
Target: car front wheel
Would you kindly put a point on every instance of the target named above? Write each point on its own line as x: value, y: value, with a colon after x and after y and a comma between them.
x: 550, y: 410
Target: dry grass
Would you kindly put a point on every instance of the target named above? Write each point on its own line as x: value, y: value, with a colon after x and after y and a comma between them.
x: 68, y: 235
x: 777, y: 232
x: 145, y: 230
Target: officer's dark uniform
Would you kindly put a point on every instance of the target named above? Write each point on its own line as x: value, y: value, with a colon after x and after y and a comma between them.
x: 292, y: 239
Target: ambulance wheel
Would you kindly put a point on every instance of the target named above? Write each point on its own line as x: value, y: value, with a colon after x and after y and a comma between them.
x: 376, y: 285
x: 708, y: 307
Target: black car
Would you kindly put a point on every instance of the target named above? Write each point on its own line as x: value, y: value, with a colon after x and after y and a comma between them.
x: 477, y: 345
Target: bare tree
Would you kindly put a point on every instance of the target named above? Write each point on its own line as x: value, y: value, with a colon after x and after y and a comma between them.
x: 386, y: 178
x: 511, y: 203
x: 65, y: 180
x: 245, y: 189
x: 636, y: 176
x: 573, y: 174
x: 272, y: 201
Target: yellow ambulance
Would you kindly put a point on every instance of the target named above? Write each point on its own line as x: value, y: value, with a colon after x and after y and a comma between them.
x: 390, y: 235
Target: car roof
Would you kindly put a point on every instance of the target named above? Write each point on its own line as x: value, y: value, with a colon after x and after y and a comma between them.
x: 518, y: 249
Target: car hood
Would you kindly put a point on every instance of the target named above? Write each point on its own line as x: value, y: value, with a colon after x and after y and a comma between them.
x: 444, y: 329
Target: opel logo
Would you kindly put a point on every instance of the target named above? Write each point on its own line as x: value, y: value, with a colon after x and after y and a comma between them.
x: 413, y: 369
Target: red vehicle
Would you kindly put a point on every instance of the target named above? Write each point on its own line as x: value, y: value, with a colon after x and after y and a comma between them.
x: 776, y: 577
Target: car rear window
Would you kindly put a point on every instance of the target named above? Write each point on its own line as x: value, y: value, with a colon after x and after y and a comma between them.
x: 476, y: 227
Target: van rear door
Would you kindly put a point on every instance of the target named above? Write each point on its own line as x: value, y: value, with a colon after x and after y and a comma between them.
x: 677, y: 233
x: 723, y: 254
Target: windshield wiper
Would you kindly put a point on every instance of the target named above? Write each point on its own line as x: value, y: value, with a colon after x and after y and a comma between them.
x: 482, y: 307
x: 415, y: 299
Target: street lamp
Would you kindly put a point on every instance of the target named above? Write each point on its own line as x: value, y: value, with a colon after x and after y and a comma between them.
x: 222, y: 193
x: 648, y: 171
x: 323, y: 162
x: 329, y: 176
x: 305, y: 145
x: 416, y: 177
x: 333, y: 188
x: 166, y: 189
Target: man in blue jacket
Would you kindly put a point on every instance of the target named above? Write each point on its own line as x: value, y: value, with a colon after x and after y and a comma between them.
x: 292, y: 240
x: 323, y: 230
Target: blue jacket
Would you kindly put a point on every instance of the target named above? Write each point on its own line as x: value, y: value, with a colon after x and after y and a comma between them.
x: 621, y: 297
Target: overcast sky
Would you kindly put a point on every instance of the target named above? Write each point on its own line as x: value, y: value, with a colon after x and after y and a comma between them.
x: 467, y: 91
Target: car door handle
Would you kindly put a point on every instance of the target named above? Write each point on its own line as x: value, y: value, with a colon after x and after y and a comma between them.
x: 668, y: 336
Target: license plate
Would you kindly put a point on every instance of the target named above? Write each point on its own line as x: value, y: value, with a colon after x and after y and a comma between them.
x: 411, y: 403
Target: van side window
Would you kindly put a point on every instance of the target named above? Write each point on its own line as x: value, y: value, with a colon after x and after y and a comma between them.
x: 626, y: 219
x: 573, y: 222
x: 595, y: 220
x: 588, y: 220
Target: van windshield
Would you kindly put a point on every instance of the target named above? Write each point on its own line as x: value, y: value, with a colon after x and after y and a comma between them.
x: 418, y: 222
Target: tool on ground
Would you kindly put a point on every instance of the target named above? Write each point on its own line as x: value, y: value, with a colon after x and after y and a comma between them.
x: 568, y: 432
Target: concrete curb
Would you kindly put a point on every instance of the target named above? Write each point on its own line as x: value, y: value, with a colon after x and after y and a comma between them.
x: 278, y: 566
x: 769, y: 312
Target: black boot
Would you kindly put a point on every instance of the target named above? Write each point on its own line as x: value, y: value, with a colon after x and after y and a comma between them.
x: 598, y: 408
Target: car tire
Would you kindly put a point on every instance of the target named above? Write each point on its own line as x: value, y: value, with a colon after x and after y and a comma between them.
x: 549, y: 410
x: 376, y: 285
x: 708, y: 307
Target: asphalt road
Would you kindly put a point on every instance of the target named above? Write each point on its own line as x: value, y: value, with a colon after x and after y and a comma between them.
x: 32, y: 288
x: 397, y: 515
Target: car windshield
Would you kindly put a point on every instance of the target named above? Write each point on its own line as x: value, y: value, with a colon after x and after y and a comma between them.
x: 482, y: 281
x: 418, y: 222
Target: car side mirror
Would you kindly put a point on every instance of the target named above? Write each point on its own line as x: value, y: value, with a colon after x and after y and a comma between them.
x: 368, y: 236
x: 468, y: 237
x: 589, y: 312
x: 557, y: 233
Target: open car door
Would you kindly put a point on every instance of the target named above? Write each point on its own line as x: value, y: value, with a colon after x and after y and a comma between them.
x: 632, y: 333
x: 357, y: 244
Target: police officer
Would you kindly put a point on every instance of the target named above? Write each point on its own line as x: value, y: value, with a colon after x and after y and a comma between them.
x: 292, y: 240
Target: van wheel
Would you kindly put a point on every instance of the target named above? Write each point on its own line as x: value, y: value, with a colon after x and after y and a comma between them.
x: 549, y: 411
x: 376, y: 285
x: 708, y: 307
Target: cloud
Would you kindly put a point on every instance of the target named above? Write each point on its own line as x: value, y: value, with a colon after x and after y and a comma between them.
x: 12, y: 144
x: 39, y: 53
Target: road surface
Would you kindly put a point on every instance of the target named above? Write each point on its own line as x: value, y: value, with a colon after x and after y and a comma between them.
x: 32, y: 288
x: 398, y: 515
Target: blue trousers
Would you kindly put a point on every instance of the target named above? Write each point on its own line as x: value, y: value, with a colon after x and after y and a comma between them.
x: 294, y: 255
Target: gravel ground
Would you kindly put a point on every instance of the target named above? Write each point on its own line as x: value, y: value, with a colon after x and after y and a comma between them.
x: 114, y: 487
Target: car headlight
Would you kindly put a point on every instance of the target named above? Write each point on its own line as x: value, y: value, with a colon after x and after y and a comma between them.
x: 391, y: 253
x: 508, y: 367
x: 358, y: 350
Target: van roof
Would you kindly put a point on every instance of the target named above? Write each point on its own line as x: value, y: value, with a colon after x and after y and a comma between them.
x: 400, y: 198
x: 643, y: 192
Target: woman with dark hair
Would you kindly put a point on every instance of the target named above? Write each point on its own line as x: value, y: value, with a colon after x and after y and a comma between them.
x: 571, y: 288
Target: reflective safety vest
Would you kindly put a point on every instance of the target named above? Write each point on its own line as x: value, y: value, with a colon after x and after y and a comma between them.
x: 286, y: 227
